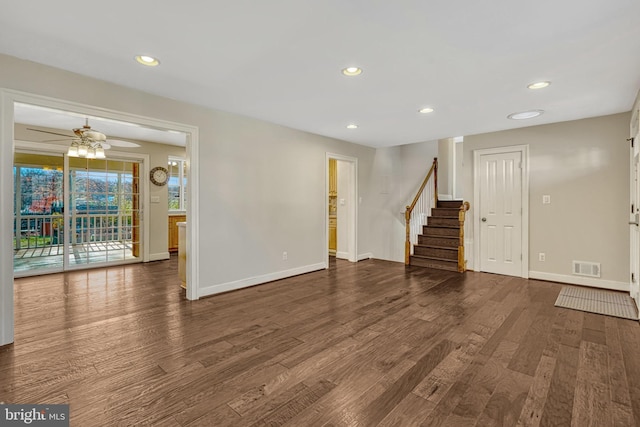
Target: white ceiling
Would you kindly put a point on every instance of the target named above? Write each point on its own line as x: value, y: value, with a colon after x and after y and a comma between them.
x: 280, y: 60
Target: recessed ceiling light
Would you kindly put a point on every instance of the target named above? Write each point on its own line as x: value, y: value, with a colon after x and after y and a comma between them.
x: 426, y: 110
x: 352, y: 126
x: 525, y: 115
x: 149, y: 61
x: 538, y: 85
x: 352, y: 71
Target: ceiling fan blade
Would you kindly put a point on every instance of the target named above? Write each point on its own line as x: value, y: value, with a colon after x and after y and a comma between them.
x: 55, y: 140
x: 52, y: 133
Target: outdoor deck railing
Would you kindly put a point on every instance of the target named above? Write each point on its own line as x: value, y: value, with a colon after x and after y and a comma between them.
x: 41, y: 230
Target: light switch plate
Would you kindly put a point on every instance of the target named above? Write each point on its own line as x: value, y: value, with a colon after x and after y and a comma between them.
x: 546, y: 199
x: 155, y: 199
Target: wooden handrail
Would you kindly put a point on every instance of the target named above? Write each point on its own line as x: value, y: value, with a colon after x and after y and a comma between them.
x: 434, y: 168
x: 407, y: 213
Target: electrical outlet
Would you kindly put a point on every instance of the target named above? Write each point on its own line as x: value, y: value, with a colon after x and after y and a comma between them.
x: 542, y: 256
x: 546, y: 199
x: 284, y: 256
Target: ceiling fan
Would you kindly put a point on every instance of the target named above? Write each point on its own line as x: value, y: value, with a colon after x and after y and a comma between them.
x: 87, y: 142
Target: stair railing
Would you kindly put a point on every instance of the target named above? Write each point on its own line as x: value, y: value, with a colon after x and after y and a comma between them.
x: 416, y: 214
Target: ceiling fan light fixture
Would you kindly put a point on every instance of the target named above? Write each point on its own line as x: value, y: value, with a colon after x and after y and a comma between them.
x: 147, y: 60
x: 100, y: 152
x: 73, y: 151
x: 83, y: 150
x: 88, y: 143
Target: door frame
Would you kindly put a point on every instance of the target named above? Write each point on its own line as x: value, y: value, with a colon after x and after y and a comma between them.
x: 524, y: 152
x: 8, y: 97
x: 634, y: 238
x: 352, y: 216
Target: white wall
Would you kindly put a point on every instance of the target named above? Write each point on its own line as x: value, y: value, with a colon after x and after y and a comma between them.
x: 262, y: 186
x: 583, y: 165
x: 446, y: 168
x: 398, y: 173
x: 459, y: 170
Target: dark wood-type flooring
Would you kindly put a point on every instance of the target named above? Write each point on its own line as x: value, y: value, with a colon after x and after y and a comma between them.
x: 361, y: 344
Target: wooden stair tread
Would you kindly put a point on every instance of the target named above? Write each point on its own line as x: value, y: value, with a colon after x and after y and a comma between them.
x: 449, y: 248
x: 441, y: 226
x: 436, y: 259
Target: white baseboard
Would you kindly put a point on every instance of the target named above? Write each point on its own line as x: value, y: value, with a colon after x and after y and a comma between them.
x: 582, y: 281
x: 342, y: 255
x: 159, y: 256
x: 445, y: 197
x: 362, y: 257
x: 251, y: 281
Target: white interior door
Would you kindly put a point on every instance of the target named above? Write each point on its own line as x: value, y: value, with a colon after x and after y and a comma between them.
x: 500, y: 213
x: 634, y: 227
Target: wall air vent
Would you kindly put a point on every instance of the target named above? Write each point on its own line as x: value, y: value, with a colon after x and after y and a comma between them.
x: 583, y: 268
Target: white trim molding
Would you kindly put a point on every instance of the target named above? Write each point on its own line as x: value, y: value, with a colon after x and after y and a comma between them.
x: 259, y: 280
x: 6, y: 218
x: 367, y: 255
x: 580, y: 281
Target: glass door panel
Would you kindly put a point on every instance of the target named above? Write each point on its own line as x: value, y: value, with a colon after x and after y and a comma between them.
x: 104, y: 211
x: 38, y: 213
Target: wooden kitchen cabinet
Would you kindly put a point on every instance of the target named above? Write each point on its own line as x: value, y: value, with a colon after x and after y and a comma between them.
x: 173, y: 231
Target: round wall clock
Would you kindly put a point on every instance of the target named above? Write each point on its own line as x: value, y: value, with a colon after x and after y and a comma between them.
x: 159, y: 175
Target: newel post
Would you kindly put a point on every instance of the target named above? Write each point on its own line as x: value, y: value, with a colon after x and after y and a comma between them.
x: 461, y: 217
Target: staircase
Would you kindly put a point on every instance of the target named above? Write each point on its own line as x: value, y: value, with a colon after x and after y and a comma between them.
x: 439, y: 244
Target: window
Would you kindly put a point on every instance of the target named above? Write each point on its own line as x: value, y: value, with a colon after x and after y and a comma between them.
x: 177, y: 184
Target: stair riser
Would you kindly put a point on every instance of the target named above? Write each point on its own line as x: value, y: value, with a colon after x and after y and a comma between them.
x: 435, y: 231
x: 449, y: 204
x: 449, y: 222
x: 437, y: 241
x: 451, y: 254
x: 429, y: 263
x: 446, y: 212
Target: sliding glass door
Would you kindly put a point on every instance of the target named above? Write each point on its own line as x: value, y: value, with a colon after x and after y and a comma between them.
x: 75, y: 213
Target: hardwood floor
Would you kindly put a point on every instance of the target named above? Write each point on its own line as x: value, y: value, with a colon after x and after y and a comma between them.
x: 361, y: 344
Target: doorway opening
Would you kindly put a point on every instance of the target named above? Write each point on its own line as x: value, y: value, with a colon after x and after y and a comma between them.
x: 341, y: 207
x: 9, y: 100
